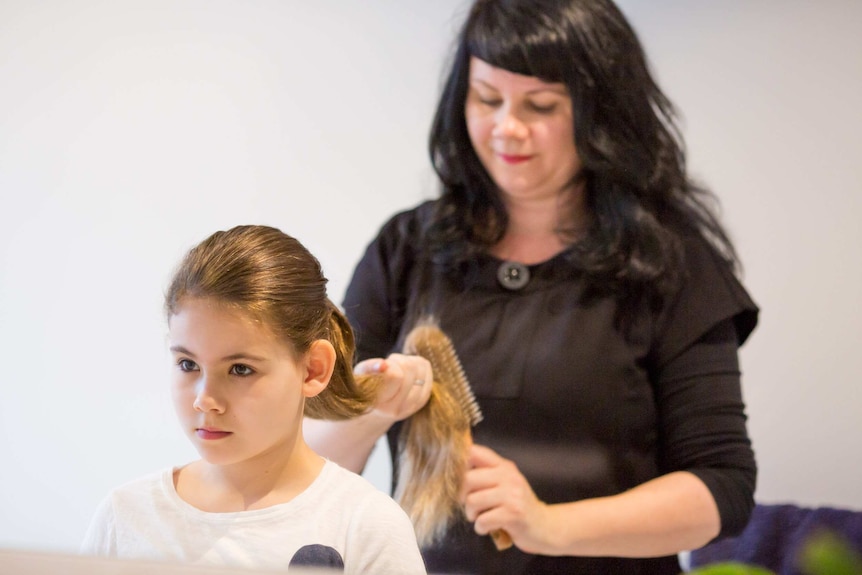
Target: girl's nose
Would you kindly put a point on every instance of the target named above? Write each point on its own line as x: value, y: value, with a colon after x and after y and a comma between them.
x: 207, y: 398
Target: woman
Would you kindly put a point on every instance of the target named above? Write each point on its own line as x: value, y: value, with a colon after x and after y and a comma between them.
x: 591, y: 296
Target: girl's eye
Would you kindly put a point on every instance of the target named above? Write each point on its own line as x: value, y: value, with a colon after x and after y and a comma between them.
x: 489, y: 102
x: 187, y: 365
x: 241, y: 370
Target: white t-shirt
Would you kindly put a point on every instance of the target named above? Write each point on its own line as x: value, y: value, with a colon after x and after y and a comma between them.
x: 340, y: 519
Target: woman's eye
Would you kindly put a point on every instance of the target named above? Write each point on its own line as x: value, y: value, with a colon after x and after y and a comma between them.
x: 490, y: 102
x: 241, y: 370
x: 543, y: 109
x: 187, y: 365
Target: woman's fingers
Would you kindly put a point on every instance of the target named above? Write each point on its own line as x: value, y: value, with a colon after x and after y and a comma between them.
x: 483, y: 486
x: 406, y: 387
x: 497, y: 496
x: 481, y: 456
x: 370, y: 366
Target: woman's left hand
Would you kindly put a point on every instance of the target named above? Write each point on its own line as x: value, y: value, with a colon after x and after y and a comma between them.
x: 497, y: 496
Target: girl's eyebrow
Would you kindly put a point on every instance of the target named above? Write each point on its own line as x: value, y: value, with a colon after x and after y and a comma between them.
x: 231, y: 357
x: 241, y: 355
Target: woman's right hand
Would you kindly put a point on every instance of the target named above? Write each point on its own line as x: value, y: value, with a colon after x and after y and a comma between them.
x: 406, y: 387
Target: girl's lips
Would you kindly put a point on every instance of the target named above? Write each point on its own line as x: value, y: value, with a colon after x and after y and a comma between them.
x: 210, y: 434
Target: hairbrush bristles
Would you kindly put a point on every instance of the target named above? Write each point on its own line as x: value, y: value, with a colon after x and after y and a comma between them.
x: 429, y: 341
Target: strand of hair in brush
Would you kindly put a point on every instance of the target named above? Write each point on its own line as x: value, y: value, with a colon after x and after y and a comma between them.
x: 435, y: 441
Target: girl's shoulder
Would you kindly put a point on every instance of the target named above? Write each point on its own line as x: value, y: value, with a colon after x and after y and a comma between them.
x: 135, y: 498
x: 352, y: 508
x: 353, y: 494
x: 145, y: 487
x: 336, y: 479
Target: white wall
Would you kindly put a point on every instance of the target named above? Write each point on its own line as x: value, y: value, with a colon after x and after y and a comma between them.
x: 131, y: 130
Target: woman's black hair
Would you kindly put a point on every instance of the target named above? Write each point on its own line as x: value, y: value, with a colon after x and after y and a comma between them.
x: 638, y: 193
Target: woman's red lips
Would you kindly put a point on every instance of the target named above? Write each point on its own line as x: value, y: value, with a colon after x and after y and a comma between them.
x: 210, y: 434
x: 513, y: 159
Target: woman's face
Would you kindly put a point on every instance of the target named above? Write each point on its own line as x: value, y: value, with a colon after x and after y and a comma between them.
x: 522, y: 131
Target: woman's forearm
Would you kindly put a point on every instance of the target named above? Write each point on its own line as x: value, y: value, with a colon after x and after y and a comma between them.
x: 666, y: 515
x: 348, y: 443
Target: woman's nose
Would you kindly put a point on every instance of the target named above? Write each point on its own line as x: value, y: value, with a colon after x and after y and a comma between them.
x: 207, y: 397
x: 508, y: 124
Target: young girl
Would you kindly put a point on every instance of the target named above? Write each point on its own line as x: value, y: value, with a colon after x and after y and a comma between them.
x: 256, y: 344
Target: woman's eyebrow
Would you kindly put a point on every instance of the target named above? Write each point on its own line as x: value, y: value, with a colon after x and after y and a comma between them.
x: 560, y: 90
x: 483, y: 83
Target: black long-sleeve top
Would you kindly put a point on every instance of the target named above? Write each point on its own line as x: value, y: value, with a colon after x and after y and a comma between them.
x: 583, y: 408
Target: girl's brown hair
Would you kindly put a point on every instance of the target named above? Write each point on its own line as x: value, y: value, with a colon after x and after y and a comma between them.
x: 272, y: 277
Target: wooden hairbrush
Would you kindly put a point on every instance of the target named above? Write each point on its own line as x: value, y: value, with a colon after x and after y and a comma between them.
x: 434, y: 442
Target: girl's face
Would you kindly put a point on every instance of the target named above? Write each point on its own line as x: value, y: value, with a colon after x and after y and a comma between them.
x: 238, y: 390
x: 521, y: 129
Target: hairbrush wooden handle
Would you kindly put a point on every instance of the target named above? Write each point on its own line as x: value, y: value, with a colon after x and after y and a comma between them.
x: 502, y: 539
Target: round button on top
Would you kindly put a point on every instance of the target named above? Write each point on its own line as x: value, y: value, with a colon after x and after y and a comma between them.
x: 513, y: 275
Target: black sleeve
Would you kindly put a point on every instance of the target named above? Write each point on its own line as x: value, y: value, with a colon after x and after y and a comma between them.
x: 376, y: 298
x: 695, y: 371
x: 709, y: 294
x: 703, y: 423
x: 366, y: 304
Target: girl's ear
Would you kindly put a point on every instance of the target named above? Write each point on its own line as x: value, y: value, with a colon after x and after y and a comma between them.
x: 319, y: 363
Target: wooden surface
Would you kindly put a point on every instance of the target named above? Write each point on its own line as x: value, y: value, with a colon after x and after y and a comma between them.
x: 18, y: 562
